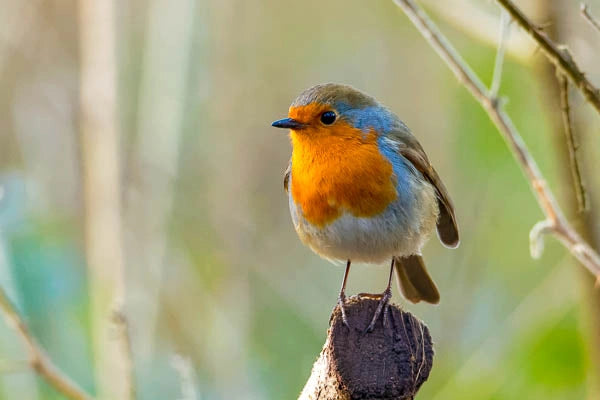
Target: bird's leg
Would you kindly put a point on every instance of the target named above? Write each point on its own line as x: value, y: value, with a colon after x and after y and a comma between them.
x: 384, y: 302
x: 342, y: 296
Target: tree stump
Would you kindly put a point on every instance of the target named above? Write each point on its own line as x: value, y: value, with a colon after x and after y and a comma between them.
x: 389, y: 363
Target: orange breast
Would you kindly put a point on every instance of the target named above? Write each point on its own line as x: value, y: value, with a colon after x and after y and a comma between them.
x: 337, y: 169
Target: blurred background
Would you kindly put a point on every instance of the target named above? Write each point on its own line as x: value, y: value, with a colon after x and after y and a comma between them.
x: 222, y: 299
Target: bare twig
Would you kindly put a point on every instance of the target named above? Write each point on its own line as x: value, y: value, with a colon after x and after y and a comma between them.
x: 502, y: 40
x: 572, y: 144
x: 102, y: 198
x: 563, y: 62
x: 589, y: 17
x: 560, y: 227
x: 38, y: 360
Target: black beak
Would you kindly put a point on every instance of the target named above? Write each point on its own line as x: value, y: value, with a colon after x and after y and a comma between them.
x: 288, y: 123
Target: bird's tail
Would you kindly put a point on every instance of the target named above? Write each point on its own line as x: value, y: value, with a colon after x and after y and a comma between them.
x: 414, y: 280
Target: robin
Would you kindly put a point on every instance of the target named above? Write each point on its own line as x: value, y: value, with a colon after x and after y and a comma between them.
x: 361, y: 188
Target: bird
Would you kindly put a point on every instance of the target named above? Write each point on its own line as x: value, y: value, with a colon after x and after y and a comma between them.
x: 361, y: 188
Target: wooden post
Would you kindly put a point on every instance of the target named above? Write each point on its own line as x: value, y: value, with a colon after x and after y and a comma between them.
x: 390, y: 363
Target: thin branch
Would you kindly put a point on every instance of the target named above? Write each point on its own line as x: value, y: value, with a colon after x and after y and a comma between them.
x: 561, y: 228
x: 102, y: 199
x: 502, y: 41
x: 572, y: 144
x: 563, y: 62
x: 589, y: 17
x: 38, y: 360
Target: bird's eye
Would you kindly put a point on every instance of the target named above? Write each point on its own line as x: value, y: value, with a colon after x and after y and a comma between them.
x: 328, y: 117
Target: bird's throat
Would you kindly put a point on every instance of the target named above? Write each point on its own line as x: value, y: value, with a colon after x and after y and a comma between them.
x: 336, y: 172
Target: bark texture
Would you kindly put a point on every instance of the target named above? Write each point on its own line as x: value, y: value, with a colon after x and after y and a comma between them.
x: 392, y: 362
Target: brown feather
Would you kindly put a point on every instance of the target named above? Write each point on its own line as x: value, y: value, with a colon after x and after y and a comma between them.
x: 447, y: 227
x: 414, y: 281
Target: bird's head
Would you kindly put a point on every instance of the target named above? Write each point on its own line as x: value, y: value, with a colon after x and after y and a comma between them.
x: 338, y: 110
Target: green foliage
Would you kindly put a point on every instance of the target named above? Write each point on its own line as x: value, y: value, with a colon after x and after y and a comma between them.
x: 283, y: 347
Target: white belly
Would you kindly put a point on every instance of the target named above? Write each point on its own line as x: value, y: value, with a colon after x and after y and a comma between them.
x: 400, y: 230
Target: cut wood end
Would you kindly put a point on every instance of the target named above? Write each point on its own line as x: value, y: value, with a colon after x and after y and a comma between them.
x: 388, y: 363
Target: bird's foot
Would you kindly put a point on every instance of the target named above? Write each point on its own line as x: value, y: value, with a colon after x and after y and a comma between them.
x: 383, y: 306
x: 341, y: 302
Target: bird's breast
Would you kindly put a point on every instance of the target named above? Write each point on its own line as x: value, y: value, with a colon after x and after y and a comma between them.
x: 339, y: 173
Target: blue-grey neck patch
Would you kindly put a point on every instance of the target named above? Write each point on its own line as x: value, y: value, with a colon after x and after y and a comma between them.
x: 406, y: 178
x: 376, y: 118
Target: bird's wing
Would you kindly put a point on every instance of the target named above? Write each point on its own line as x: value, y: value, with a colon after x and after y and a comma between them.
x: 411, y: 149
x: 286, y: 176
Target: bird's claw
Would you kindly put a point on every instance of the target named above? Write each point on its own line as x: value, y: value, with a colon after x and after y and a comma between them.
x: 341, y: 302
x: 384, y: 300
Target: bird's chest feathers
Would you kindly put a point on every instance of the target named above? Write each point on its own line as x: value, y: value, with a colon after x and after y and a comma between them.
x: 333, y: 174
